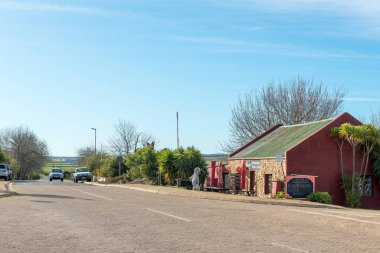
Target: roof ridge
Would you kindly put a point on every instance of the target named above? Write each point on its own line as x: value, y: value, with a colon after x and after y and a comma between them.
x: 281, y: 139
x: 309, y: 123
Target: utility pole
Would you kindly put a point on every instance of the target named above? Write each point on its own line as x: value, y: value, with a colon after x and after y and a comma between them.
x: 177, y: 133
x: 95, y: 137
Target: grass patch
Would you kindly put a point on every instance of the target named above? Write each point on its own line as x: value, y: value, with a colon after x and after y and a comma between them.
x: 67, y: 167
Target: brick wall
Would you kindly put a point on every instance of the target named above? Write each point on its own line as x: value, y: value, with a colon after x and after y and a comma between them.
x: 268, y: 166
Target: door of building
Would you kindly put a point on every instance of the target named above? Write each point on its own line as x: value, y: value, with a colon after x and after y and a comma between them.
x: 252, y: 182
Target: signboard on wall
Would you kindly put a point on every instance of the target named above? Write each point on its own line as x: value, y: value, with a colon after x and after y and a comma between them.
x: 253, y: 165
x: 299, y: 186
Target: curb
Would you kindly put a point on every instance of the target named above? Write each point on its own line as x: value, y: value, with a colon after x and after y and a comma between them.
x: 253, y: 201
x: 259, y: 201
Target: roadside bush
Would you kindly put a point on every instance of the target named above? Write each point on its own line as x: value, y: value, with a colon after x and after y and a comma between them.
x: 36, y: 177
x: 352, y: 198
x: 279, y: 195
x: 134, y: 173
x: 125, y: 178
x: 321, y: 197
x: 3, y: 156
x: 142, y: 164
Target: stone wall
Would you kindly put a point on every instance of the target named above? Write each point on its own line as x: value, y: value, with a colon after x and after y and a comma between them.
x: 267, y: 166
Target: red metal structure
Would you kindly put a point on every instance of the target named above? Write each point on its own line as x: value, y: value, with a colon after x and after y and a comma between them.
x: 220, y: 175
x: 213, y: 163
x: 243, y: 172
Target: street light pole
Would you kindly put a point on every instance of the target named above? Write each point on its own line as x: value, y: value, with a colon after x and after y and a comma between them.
x: 177, y: 133
x: 95, y: 137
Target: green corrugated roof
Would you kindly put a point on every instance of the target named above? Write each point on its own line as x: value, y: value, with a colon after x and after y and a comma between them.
x: 280, y: 140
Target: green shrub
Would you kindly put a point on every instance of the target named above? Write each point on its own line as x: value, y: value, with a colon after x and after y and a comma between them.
x: 353, y: 199
x: 36, y: 177
x: 321, y: 197
x: 279, y: 195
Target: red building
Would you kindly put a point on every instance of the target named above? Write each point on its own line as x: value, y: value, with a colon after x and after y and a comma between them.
x: 305, y: 149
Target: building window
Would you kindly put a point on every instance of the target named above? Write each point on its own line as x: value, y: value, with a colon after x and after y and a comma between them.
x: 365, y: 188
x: 268, y: 183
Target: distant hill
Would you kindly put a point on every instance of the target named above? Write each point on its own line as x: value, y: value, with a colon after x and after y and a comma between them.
x: 64, y: 159
x: 215, y: 157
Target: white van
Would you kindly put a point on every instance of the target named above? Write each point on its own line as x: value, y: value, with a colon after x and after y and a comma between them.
x: 6, y: 171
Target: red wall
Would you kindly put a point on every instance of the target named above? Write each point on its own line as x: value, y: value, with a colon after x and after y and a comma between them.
x: 319, y: 156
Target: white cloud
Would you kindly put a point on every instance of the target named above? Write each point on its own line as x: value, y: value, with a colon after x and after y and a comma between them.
x: 357, y: 7
x: 43, y: 6
x: 208, y: 40
x: 46, y: 7
x: 228, y: 45
x: 360, y: 17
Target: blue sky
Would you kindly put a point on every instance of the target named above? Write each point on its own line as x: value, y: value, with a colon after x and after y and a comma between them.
x: 67, y: 66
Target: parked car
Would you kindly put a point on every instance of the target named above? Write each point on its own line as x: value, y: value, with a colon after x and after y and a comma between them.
x: 81, y: 174
x: 56, y: 173
x: 6, y: 171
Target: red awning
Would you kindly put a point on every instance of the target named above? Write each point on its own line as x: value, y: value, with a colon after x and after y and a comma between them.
x: 212, y: 173
x: 220, y: 175
x: 242, y: 181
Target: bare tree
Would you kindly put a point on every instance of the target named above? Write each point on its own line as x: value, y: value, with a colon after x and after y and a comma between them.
x: 127, y: 139
x: 83, y: 153
x: 147, y: 139
x: 374, y: 119
x: 292, y: 102
x: 24, y: 147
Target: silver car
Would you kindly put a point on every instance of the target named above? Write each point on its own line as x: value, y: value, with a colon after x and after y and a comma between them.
x: 56, y: 174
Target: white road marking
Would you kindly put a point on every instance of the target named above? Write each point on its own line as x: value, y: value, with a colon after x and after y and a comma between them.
x: 284, y: 246
x: 337, y: 216
x: 88, y: 193
x: 355, y: 214
x: 170, y: 215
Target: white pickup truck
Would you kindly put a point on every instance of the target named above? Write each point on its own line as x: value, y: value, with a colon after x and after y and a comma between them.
x: 81, y: 174
x: 6, y: 171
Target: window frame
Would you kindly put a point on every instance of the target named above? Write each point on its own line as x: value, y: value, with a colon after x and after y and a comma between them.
x: 368, y: 181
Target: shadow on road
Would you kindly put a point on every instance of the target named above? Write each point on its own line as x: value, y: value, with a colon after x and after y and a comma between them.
x: 42, y: 201
x: 50, y: 196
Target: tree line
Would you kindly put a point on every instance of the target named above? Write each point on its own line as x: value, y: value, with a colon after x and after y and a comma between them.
x: 148, y: 164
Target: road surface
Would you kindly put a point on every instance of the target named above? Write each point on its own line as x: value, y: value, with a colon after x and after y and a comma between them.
x: 67, y: 217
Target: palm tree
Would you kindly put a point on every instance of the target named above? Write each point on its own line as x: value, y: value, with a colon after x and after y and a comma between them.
x: 376, y: 155
x: 182, y: 163
x: 372, y: 138
x: 166, y: 162
x: 340, y: 141
x: 354, y: 137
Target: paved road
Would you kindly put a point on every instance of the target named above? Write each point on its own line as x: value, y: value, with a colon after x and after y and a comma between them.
x: 68, y: 217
